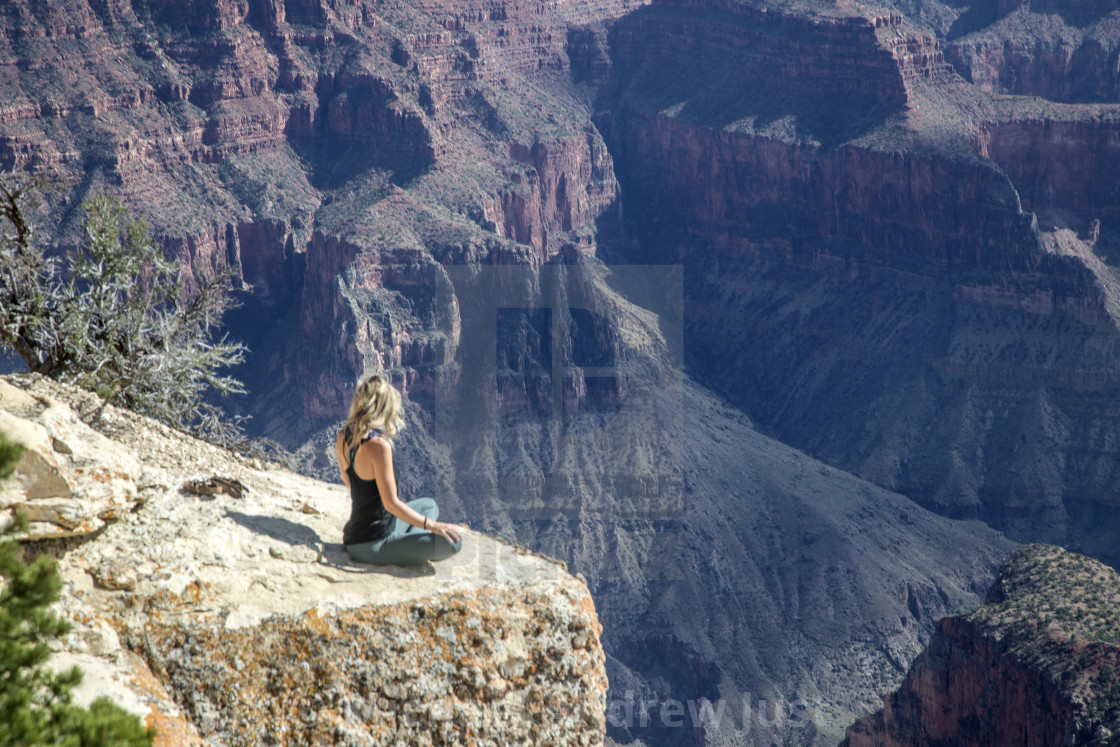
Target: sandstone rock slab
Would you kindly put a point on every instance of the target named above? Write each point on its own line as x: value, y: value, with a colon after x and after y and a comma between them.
x: 38, y: 474
x: 70, y: 479
x: 242, y: 621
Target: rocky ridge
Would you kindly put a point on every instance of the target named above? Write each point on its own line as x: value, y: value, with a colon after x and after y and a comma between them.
x: 241, y: 620
x: 1035, y: 665
x: 1057, y: 51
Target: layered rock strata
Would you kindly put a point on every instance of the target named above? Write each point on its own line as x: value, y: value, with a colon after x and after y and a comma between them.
x: 248, y: 136
x: 1057, y: 51
x: 916, y: 285
x: 1036, y: 665
x: 831, y: 157
x: 242, y: 621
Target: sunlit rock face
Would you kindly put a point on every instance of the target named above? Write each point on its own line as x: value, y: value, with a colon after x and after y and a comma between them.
x: 241, y: 620
x: 70, y: 479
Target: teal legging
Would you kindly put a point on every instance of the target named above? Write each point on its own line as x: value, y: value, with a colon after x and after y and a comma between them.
x: 406, y: 544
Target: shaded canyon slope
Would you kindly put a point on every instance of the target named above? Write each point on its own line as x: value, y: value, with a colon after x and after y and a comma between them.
x: 903, y: 272
x: 782, y: 590
x: 867, y: 264
x: 1035, y: 665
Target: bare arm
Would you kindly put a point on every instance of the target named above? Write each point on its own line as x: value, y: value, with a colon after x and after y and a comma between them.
x: 376, y: 456
x: 340, y: 452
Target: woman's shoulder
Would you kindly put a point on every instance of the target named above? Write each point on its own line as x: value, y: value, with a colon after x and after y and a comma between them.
x: 376, y: 444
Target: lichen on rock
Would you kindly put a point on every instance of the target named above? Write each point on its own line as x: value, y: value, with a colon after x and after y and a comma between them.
x: 485, y: 667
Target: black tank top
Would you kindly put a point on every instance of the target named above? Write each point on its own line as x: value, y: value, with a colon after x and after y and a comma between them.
x: 369, y: 520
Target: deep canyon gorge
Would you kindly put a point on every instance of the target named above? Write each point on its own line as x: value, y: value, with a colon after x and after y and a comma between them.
x: 782, y: 323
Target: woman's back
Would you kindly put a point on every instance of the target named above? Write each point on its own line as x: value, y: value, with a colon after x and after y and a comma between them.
x: 383, y: 529
x: 369, y: 520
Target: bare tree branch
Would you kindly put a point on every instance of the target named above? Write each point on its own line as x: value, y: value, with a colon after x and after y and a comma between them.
x: 112, y: 315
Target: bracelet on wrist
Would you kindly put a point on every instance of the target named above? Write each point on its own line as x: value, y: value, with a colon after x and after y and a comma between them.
x: 425, y: 522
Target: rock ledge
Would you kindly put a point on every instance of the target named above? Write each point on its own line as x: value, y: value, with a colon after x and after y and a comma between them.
x: 242, y: 621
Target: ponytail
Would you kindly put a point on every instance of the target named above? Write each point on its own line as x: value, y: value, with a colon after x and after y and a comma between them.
x: 376, y: 406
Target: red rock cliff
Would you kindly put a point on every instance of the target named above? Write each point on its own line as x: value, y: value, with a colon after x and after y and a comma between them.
x: 325, y: 150
x: 1036, y: 666
x: 787, y: 142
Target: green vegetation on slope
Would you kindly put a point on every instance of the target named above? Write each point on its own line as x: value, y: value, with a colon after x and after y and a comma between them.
x: 1059, y: 612
x: 1043, y: 588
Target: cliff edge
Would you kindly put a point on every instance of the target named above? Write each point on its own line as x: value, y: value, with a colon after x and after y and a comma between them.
x: 1036, y: 665
x: 235, y: 617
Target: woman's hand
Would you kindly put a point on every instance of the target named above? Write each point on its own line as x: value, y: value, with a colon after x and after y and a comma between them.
x: 445, y: 530
x: 379, y: 454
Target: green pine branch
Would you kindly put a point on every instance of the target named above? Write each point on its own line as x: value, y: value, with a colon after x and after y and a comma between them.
x: 35, y: 703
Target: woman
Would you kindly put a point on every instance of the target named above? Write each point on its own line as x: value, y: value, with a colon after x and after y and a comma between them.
x: 383, y: 529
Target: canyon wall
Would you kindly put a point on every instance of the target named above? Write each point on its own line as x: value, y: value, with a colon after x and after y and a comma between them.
x: 1061, y: 166
x: 812, y: 158
x: 867, y: 269
x: 916, y: 285
x: 1036, y: 665
x: 246, y: 136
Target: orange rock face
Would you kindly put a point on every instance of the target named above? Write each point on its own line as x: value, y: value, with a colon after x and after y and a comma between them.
x: 1036, y: 666
x: 231, y: 125
x: 963, y: 690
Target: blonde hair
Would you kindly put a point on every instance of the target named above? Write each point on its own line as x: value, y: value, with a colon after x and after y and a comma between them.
x: 377, y: 405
